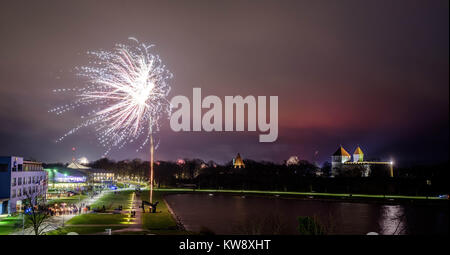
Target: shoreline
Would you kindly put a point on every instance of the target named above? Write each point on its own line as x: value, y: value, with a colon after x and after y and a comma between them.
x: 174, y: 215
x: 329, y: 197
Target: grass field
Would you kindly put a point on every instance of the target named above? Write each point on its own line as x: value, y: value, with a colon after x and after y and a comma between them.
x: 80, y: 224
x: 112, y: 200
x: 10, y: 224
x: 82, y: 230
x: 162, y: 221
x: 97, y: 218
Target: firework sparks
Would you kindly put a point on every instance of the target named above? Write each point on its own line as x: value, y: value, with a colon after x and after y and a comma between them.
x: 128, y: 89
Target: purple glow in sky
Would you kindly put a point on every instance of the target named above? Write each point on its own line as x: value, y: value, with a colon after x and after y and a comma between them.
x: 373, y: 73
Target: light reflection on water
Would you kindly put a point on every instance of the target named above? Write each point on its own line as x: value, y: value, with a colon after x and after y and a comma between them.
x: 227, y: 214
x: 392, y: 220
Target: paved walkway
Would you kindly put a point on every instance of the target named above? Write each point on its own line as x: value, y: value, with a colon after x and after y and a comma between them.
x: 56, y: 222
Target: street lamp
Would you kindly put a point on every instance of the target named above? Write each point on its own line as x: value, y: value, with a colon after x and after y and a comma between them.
x: 23, y: 219
x: 392, y: 168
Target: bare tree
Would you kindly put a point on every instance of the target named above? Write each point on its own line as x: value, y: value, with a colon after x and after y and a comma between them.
x: 37, y: 213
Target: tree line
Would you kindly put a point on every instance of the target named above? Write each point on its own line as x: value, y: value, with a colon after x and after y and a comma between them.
x: 262, y: 175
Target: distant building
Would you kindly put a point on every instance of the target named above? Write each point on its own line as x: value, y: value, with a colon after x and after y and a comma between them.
x: 341, y: 161
x: 238, y: 162
x: 292, y: 161
x: 19, y: 177
x: 76, y: 174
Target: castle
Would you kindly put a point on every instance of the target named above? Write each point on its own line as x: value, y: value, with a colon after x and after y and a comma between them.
x: 341, y: 160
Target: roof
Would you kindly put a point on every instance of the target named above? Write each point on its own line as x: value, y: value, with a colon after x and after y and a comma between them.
x: 341, y: 152
x: 69, y: 171
x: 358, y: 151
x: 238, y: 160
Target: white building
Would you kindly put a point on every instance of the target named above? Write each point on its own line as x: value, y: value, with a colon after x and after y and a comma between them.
x: 18, y: 178
x: 341, y: 160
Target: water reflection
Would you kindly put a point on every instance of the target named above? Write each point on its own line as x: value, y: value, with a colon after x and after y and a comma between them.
x: 392, y: 220
x: 227, y: 214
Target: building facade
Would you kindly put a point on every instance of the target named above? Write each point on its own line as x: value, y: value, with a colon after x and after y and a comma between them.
x: 76, y: 175
x: 341, y: 162
x: 18, y: 179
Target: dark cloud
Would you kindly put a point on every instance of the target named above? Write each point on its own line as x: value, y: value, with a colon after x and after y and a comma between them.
x: 373, y: 73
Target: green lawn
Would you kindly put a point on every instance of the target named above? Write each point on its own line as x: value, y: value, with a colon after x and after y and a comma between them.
x: 82, y: 230
x: 112, y: 200
x: 162, y: 221
x: 10, y: 224
x: 97, y: 218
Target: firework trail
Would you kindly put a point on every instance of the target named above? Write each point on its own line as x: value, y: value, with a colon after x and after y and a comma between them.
x: 126, y: 91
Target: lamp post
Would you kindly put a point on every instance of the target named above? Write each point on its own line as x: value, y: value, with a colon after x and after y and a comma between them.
x: 53, y: 177
x: 391, y: 168
x: 63, y: 212
x: 23, y: 221
x: 151, y: 168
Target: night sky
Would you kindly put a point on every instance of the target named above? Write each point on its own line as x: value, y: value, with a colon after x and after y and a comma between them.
x: 368, y: 73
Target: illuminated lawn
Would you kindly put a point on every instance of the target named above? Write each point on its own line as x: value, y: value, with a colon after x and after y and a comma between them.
x: 97, y: 218
x: 10, y: 224
x: 299, y: 193
x: 161, y: 222
x: 112, y: 200
x: 82, y: 230
x: 93, y: 223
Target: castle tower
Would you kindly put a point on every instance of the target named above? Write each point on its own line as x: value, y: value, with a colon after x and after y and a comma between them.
x: 358, y: 155
x: 338, y: 159
x: 238, y: 162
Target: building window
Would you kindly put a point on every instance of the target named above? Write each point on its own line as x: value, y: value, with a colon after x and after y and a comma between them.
x: 14, y: 181
x: 19, y: 167
x: 34, y: 179
x: 29, y: 180
x: 13, y: 194
x: 20, y: 181
x: 19, y: 192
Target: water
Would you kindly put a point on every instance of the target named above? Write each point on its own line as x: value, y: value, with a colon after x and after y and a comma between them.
x: 233, y: 214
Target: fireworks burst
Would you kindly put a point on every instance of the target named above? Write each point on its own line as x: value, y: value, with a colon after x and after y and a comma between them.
x: 128, y: 89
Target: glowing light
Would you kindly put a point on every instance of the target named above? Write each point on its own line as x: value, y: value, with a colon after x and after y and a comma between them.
x: 83, y: 160
x: 127, y: 89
